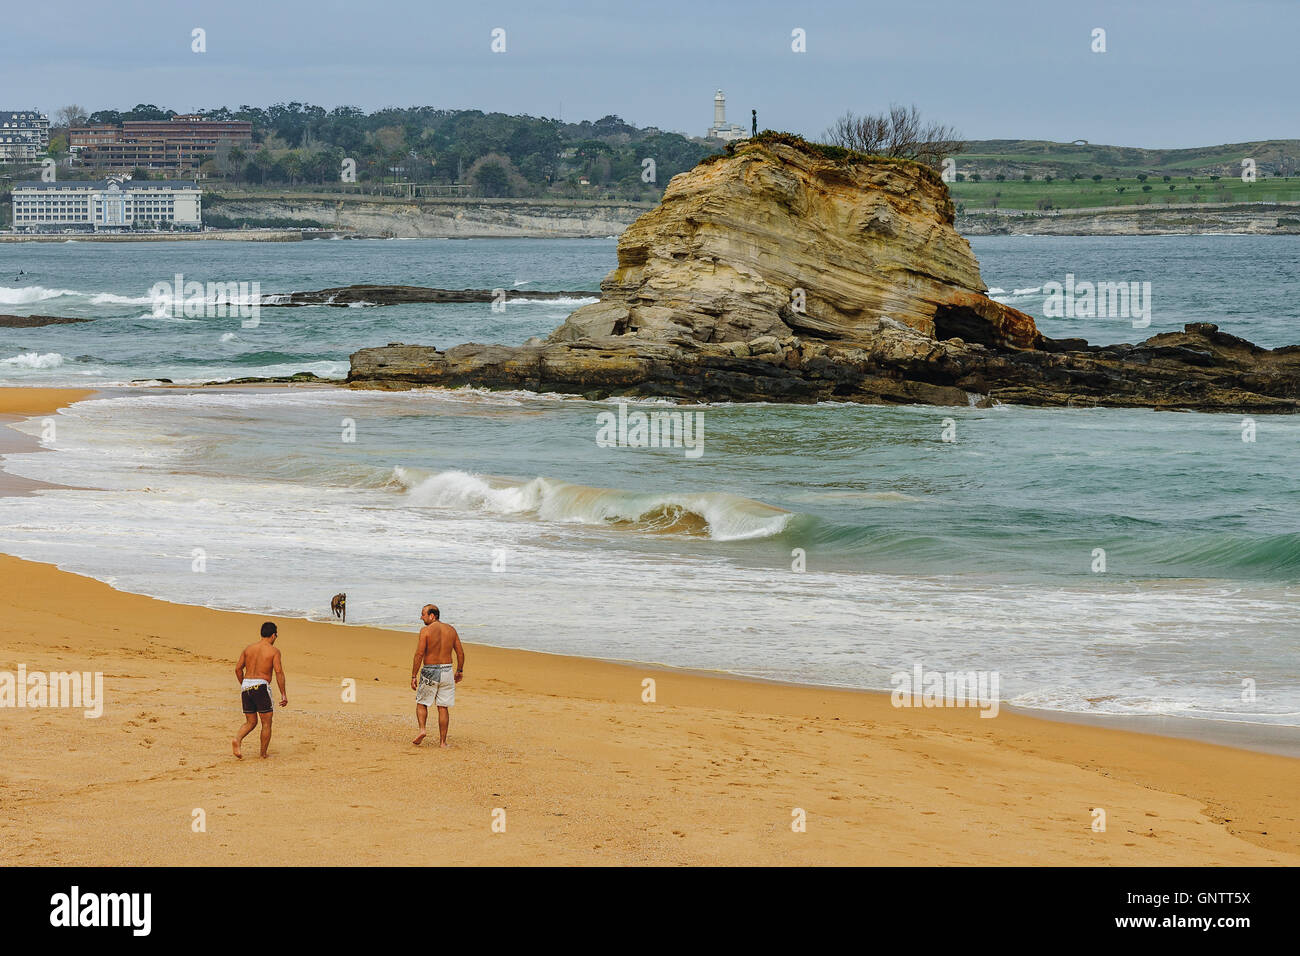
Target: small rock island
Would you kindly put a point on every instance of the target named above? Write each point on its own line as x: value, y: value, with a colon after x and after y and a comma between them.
x: 788, y: 271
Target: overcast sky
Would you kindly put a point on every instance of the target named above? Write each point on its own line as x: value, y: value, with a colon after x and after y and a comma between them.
x: 1175, y: 72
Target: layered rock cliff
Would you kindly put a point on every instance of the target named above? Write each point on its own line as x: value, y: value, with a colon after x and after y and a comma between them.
x: 437, y: 218
x: 785, y: 271
x: 778, y: 239
x: 1176, y: 220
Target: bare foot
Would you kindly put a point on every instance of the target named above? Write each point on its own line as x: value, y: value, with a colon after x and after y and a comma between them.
x: 265, y: 755
x: 443, y: 744
x: 419, y: 740
x: 234, y: 745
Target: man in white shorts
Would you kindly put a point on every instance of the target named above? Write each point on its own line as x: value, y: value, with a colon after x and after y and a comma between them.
x: 432, y: 677
x: 253, y: 671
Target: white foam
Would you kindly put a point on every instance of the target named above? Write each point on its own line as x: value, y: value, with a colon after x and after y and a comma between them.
x: 24, y: 295
x: 726, y: 517
x: 1002, y: 295
x: 34, y: 360
x: 562, y: 300
x: 110, y: 298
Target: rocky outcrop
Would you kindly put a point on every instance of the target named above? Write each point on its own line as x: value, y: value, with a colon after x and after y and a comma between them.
x: 399, y: 294
x: 779, y: 239
x: 36, y: 321
x: 788, y: 272
x: 1200, y: 368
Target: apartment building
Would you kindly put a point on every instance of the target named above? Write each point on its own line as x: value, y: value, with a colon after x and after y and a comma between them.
x: 24, y: 135
x: 181, y: 142
x: 17, y: 149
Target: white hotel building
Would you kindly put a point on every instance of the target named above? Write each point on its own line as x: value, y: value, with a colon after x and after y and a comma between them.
x: 107, y: 205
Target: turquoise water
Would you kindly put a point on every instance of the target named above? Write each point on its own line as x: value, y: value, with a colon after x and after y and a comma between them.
x: 111, y: 283
x: 829, y: 544
x: 1244, y: 283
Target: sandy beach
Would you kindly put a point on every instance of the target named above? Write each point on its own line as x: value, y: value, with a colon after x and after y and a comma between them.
x: 17, y: 404
x: 585, y: 771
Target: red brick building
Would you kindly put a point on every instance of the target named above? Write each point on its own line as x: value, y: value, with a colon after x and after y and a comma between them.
x: 182, y: 142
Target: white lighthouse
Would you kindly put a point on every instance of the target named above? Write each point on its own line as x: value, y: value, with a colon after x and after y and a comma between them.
x: 720, y: 129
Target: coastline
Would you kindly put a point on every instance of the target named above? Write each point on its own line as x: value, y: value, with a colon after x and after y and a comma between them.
x: 1201, y: 219
x: 214, y: 235
x: 18, y: 404
x: 394, y: 219
x: 587, y: 772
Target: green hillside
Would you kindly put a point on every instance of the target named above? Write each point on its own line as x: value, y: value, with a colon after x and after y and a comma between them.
x: 1016, y: 157
x: 1036, y: 174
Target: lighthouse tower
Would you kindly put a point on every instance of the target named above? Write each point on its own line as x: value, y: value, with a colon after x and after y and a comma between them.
x: 720, y: 129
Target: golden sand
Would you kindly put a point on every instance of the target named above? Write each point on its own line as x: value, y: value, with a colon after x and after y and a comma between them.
x: 39, y: 401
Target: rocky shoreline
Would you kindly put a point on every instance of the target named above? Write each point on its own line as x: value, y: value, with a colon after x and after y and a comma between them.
x: 36, y: 321
x: 380, y: 295
x: 1199, y: 369
x: 436, y: 218
x: 1263, y: 219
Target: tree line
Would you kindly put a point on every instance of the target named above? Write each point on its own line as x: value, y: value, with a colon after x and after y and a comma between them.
x: 502, y: 155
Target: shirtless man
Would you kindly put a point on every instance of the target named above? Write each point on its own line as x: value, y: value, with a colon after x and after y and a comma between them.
x: 431, y: 676
x: 259, y: 660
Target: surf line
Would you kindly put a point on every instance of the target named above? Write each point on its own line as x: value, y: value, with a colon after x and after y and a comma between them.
x: 922, y: 688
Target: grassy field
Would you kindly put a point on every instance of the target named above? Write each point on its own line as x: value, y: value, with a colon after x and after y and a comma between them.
x: 1086, y: 194
x: 1065, y: 159
x: 1129, y: 175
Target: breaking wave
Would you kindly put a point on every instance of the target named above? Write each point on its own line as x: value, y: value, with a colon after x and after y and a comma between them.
x: 716, y: 515
x: 34, y: 360
x: 28, y: 294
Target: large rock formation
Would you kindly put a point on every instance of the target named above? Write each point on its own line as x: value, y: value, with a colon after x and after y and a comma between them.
x: 784, y: 271
x: 779, y: 240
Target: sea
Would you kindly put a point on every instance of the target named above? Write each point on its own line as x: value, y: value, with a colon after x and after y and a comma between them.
x: 1100, y: 561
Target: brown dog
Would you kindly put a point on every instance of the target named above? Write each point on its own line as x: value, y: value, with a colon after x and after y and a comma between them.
x: 339, y: 605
